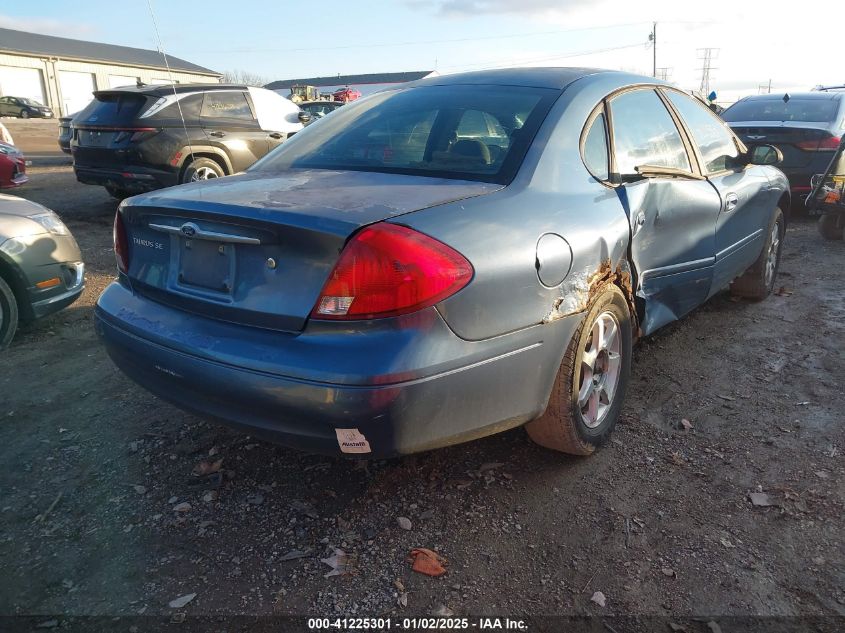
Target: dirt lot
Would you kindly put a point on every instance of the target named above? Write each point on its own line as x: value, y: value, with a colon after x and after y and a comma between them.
x: 96, y: 474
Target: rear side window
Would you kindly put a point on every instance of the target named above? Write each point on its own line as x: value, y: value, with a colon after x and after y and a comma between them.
x: 795, y: 109
x: 645, y: 134
x: 112, y: 109
x: 715, y: 143
x: 230, y: 105
x: 595, y: 148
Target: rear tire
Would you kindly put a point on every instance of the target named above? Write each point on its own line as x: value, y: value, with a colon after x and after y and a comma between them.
x: 117, y: 193
x: 8, y: 314
x: 831, y: 226
x: 757, y: 282
x: 202, y: 169
x: 589, y: 390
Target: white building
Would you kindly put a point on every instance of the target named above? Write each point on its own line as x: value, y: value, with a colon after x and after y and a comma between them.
x: 62, y: 73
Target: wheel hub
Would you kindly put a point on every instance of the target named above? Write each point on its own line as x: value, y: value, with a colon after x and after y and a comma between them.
x: 600, y: 365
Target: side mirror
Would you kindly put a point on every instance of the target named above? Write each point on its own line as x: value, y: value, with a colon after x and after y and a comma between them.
x: 304, y: 118
x: 765, y: 155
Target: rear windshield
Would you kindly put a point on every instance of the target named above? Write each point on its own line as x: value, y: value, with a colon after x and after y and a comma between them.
x: 111, y: 109
x: 465, y: 132
x: 796, y: 109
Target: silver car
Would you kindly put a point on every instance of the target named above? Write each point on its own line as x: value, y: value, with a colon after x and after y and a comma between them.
x: 444, y: 260
x: 41, y: 269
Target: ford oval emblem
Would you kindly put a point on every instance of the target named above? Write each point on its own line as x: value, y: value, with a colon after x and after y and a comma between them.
x: 189, y: 229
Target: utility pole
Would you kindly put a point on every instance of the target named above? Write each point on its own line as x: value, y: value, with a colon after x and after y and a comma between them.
x: 653, y: 38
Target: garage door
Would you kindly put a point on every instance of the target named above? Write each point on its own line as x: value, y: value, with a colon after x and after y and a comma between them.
x: 77, y: 89
x: 120, y: 81
x: 22, y: 82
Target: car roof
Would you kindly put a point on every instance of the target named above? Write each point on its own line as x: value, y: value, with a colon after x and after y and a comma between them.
x: 546, y: 77
x: 818, y: 95
x: 168, y: 89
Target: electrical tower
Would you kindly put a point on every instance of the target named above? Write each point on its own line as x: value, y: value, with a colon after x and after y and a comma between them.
x: 664, y: 73
x: 706, y: 56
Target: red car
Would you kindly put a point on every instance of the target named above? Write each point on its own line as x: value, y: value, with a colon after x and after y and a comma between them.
x: 346, y: 95
x: 12, y: 167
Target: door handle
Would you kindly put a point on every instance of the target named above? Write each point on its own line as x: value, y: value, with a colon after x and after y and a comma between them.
x: 731, y: 200
x: 275, y: 135
x: 217, y: 133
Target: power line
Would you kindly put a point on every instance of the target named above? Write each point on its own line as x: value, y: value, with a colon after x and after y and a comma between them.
x: 418, y: 42
x: 498, y: 64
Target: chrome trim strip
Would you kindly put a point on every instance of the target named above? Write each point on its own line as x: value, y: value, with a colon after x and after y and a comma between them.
x: 678, y: 268
x: 737, y: 245
x: 199, y: 234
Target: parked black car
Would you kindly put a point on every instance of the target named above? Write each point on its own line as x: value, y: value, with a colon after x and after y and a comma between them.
x: 805, y: 127
x: 23, y: 108
x: 65, y: 133
x: 137, y: 139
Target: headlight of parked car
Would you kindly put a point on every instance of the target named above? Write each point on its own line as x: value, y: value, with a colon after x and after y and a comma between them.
x: 51, y: 222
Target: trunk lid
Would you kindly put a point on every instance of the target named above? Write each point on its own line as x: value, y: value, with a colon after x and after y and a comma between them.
x: 256, y: 249
x: 785, y: 135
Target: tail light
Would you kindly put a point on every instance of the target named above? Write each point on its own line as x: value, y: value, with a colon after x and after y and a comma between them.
x: 134, y: 134
x: 827, y: 144
x: 121, y: 244
x: 388, y: 270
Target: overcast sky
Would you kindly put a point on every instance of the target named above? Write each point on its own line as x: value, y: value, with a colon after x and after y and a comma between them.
x: 278, y: 40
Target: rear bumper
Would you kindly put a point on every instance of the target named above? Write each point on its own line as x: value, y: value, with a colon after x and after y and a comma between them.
x: 405, y: 385
x: 132, y: 178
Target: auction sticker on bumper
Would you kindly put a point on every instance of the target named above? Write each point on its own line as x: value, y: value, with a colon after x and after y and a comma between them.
x: 352, y: 441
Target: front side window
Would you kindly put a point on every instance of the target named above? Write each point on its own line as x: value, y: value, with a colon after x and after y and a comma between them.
x: 463, y: 132
x: 644, y: 133
x: 226, y: 105
x: 715, y: 143
x: 595, y: 148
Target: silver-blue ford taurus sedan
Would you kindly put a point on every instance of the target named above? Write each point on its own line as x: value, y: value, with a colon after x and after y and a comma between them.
x: 442, y: 261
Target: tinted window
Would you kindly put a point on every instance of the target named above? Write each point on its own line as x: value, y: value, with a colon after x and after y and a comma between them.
x: 226, y: 105
x: 190, y: 109
x: 112, y: 109
x: 595, y: 148
x: 796, y: 109
x: 645, y: 134
x: 475, y: 132
x: 715, y: 143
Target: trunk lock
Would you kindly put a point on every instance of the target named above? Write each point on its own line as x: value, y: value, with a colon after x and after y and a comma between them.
x: 271, y: 263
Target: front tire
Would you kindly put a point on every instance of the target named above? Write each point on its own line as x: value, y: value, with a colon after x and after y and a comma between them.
x: 757, y: 282
x: 590, y: 387
x: 8, y: 314
x: 831, y: 226
x: 24, y: 114
x: 202, y: 169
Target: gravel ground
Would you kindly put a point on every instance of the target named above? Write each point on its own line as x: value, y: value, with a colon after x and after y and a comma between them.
x: 103, y: 512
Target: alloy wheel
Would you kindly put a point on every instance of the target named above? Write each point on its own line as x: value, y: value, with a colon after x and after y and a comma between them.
x: 203, y: 173
x: 772, y: 255
x: 600, y: 368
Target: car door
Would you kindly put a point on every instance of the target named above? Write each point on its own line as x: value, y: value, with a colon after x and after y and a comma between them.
x: 672, y: 208
x: 4, y: 106
x: 229, y: 122
x: 744, y: 191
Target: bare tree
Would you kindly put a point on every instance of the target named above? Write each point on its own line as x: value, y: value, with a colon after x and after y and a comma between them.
x: 238, y: 76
